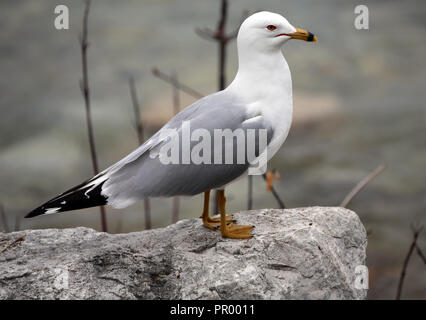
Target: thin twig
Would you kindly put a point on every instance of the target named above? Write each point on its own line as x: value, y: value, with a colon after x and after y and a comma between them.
x: 18, y: 219
x: 10, y: 245
x: 250, y: 192
x: 169, y: 79
x: 223, y: 40
x: 176, y: 107
x: 361, y: 185
x: 175, y: 209
x: 416, y: 231
x: 420, y: 253
x: 84, y: 85
x: 139, y: 130
x: 3, y: 217
x: 275, y: 194
x: 206, y: 33
x: 136, y: 110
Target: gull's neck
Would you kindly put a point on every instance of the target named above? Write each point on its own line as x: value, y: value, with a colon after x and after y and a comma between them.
x: 262, y: 76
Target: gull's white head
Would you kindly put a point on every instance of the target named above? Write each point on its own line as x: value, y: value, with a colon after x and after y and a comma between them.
x: 265, y: 31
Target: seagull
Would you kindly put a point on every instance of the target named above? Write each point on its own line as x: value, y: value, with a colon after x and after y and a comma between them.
x: 259, y: 98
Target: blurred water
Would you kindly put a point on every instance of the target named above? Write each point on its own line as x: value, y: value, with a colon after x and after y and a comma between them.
x: 359, y: 99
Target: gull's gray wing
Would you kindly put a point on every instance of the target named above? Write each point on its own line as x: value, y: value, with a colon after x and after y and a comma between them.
x: 141, y: 175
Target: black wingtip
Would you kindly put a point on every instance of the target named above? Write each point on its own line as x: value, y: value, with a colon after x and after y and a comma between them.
x: 35, y: 213
x: 43, y: 210
x: 49, y: 207
x: 76, y: 198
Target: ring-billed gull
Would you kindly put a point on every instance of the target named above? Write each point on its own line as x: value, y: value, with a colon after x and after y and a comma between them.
x: 259, y: 98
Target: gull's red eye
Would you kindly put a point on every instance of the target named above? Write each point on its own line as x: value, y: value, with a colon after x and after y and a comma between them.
x: 271, y: 27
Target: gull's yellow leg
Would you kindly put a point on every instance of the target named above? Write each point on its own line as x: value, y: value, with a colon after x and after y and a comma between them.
x: 205, y: 216
x: 231, y: 230
x: 211, y: 223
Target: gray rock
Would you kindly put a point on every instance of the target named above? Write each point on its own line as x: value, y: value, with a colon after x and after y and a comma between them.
x: 304, y: 253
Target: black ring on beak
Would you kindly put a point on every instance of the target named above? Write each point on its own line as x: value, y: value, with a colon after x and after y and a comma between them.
x: 310, y: 37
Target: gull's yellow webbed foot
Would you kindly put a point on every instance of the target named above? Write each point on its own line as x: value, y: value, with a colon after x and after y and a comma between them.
x: 236, y: 231
x: 231, y: 230
x: 212, y: 223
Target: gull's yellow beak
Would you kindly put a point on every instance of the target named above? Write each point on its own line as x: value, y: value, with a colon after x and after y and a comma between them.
x: 301, y: 34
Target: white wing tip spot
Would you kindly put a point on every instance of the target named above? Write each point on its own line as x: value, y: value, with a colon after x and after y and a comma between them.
x: 52, y: 210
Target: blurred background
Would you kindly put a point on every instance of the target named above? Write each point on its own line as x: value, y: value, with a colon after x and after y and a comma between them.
x: 359, y: 98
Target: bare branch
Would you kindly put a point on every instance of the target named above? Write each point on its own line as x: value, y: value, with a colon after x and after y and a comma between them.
x: 139, y: 130
x: 18, y: 220
x: 361, y: 185
x: 420, y: 253
x: 220, y: 31
x: 136, y: 110
x: 176, y: 107
x: 418, y: 228
x: 222, y: 39
x: 275, y: 194
x: 169, y: 79
x: 416, y: 231
x: 84, y: 85
x: 250, y: 192
x: 206, y: 33
x: 175, y: 209
x: 220, y: 34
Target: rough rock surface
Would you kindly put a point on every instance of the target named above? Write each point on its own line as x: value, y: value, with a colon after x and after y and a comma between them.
x: 304, y: 253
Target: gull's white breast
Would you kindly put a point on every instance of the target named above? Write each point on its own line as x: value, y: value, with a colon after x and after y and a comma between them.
x: 268, y: 93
